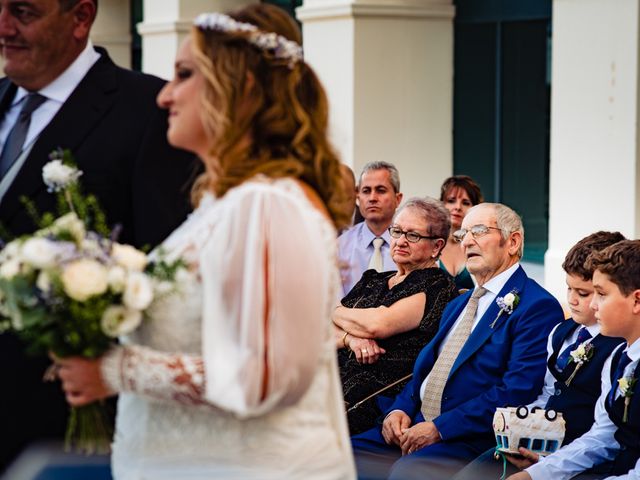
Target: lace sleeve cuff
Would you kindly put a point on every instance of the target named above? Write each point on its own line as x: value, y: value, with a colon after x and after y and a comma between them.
x: 171, y: 377
x: 111, y: 367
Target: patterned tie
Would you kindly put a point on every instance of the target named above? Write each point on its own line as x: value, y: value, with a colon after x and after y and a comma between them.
x: 376, y: 258
x: 622, y: 364
x: 432, y: 400
x: 565, y: 355
x: 15, y: 140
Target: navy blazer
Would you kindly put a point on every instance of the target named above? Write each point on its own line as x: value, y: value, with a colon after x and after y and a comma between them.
x: 499, y: 366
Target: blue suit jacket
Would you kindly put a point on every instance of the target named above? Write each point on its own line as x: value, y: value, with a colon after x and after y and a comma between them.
x: 497, y: 367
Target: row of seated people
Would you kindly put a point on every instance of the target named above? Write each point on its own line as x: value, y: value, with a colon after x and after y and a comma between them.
x: 502, y: 344
x: 403, y: 258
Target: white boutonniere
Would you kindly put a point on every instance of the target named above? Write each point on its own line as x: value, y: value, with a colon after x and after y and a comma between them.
x: 626, y: 385
x: 581, y: 355
x: 57, y: 176
x: 507, y: 304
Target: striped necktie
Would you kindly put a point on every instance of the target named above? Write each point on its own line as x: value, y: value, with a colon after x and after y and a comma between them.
x: 432, y: 399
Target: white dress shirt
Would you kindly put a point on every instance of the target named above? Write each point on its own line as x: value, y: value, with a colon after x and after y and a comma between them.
x: 57, y: 92
x: 548, y: 389
x: 355, y: 248
x: 596, y: 446
x: 493, y: 287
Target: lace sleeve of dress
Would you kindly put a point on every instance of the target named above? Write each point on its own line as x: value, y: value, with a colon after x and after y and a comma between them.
x: 170, y: 377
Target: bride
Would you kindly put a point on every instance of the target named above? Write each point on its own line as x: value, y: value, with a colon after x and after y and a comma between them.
x: 236, y: 376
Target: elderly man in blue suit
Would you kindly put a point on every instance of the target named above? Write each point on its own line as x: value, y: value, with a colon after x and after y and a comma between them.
x: 489, y: 352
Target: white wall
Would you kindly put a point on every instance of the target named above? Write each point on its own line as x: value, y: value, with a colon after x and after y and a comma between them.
x: 166, y: 23
x: 111, y: 30
x: 594, y: 131
x: 387, y: 66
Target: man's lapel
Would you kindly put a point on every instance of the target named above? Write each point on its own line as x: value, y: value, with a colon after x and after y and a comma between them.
x: 7, y: 92
x: 75, y: 120
x: 483, y: 329
x: 447, y: 323
x: 425, y: 361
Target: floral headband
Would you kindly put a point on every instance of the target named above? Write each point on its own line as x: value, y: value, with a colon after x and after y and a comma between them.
x: 275, y: 44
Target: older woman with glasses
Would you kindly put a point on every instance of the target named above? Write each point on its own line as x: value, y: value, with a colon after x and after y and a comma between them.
x: 386, y: 319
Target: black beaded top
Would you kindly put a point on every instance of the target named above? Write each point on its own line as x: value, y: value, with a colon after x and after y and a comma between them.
x: 371, y: 291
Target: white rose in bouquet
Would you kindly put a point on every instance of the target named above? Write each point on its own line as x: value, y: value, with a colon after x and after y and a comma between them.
x: 138, y: 293
x: 84, y: 278
x: 43, y: 282
x: 117, y: 279
x: 10, y: 268
x: 72, y: 224
x: 40, y: 253
x: 118, y: 320
x: 58, y: 176
x: 10, y: 250
x: 129, y: 257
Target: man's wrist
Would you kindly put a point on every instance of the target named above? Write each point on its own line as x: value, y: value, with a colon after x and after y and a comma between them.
x: 392, y: 411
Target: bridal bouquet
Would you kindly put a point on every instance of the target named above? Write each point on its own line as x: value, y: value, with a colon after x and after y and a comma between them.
x: 71, y: 291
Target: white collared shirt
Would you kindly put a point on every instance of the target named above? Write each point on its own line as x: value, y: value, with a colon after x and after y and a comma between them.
x: 355, y: 249
x: 493, y: 287
x: 596, y: 446
x: 549, y: 388
x: 57, y: 92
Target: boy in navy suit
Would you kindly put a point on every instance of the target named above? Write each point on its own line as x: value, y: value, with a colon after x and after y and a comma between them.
x: 613, y: 442
x: 568, y: 389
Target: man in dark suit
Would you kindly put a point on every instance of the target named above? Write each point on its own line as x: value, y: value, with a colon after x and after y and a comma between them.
x: 489, y: 352
x: 108, y: 118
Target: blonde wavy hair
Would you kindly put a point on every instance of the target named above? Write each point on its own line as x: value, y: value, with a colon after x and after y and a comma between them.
x: 262, y: 115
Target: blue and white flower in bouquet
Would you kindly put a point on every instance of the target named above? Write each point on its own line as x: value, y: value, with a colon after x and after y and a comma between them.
x: 68, y: 290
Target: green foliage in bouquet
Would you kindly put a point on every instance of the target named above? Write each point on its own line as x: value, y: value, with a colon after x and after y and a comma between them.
x: 69, y: 196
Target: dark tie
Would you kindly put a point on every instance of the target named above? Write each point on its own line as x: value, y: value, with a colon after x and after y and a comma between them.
x: 563, y: 358
x: 15, y: 140
x: 622, y: 364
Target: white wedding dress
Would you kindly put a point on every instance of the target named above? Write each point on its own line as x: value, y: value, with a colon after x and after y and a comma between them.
x: 193, y: 400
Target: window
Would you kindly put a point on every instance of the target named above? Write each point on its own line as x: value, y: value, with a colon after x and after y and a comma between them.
x: 502, y: 107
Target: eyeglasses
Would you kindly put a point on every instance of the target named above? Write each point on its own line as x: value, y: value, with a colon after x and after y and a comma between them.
x: 412, y: 237
x: 476, y: 231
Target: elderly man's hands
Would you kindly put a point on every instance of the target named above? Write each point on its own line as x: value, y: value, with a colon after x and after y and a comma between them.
x: 367, y: 350
x: 419, y: 436
x: 393, y: 426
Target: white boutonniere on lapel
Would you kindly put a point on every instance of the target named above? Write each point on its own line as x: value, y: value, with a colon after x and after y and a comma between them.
x: 581, y: 355
x: 626, y: 385
x: 507, y: 304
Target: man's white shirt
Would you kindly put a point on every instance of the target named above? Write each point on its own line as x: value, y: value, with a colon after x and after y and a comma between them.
x: 57, y: 92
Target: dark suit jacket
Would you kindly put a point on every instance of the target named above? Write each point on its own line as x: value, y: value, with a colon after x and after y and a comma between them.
x: 497, y: 367
x: 118, y: 137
